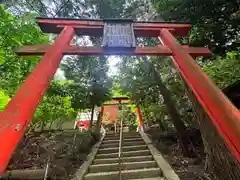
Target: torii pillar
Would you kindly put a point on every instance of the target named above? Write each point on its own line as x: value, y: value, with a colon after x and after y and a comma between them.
x: 140, y: 119
x: 19, y: 111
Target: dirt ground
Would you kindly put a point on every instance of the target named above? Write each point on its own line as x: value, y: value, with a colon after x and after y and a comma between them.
x: 186, y: 168
x: 65, y: 151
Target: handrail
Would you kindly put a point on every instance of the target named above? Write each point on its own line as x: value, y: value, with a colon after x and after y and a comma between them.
x: 120, y: 149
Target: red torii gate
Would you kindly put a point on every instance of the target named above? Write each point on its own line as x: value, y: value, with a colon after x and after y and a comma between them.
x: 19, y: 111
x: 119, y: 100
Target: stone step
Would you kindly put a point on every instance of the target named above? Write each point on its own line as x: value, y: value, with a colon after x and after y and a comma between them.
x: 124, y: 159
x: 127, y: 138
x: 124, y: 134
x: 112, y: 134
x: 125, y: 148
x: 136, y: 153
x: 108, y: 150
x: 132, y: 135
x: 116, y: 144
x: 134, y: 148
x: 110, y: 155
x: 126, y: 174
x: 110, y: 141
x: 132, y: 139
x: 112, y: 138
x: 153, y: 178
x: 124, y: 166
x: 110, y: 145
x: 133, y: 143
x: 124, y: 137
x: 124, y: 154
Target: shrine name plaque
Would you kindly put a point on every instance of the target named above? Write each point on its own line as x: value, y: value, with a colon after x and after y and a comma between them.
x: 118, y: 35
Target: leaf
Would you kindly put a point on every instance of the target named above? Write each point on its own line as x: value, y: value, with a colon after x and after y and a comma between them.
x: 4, y: 99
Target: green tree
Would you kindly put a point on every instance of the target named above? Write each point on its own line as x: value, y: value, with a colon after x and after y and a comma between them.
x: 142, y: 79
x: 3, y: 100
x: 89, y: 76
x: 128, y: 115
x: 54, y: 8
x: 90, y: 83
x: 215, y: 22
x: 108, y: 8
x: 18, y: 31
x: 224, y: 70
x: 14, y: 32
x: 52, y: 109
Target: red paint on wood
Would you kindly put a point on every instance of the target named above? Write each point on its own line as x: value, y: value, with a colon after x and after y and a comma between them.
x: 109, y: 105
x: 95, y: 28
x: 19, y: 111
x: 101, y: 114
x: 111, y: 112
x: 102, y: 110
x: 83, y: 124
x: 223, y: 113
x: 99, y: 51
x: 139, y: 115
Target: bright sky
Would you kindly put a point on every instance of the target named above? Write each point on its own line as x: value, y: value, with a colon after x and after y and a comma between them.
x: 113, y: 70
x: 59, y: 75
x: 113, y: 61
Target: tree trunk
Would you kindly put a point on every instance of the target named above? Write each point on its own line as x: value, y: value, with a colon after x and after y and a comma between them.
x: 220, y: 162
x: 42, y: 126
x: 51, y: 123
x: 185, y: 142
x: 99, y: 123
x: 91, y: 120
x: 161, y: 125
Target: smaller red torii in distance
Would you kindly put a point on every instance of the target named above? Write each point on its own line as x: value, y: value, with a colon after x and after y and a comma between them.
x: 119, y: 100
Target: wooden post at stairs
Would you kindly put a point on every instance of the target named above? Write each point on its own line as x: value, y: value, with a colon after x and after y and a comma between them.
x: 99, y: 121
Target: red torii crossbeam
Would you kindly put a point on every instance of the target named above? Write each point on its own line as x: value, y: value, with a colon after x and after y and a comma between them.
x: 19, y: 111
x: 99, y: 51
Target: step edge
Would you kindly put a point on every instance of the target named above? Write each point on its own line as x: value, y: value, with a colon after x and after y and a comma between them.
x: 125, y: 171
x: 130, y: 157
x: 125, y: 163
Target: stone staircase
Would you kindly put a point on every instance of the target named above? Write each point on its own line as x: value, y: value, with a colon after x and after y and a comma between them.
x: 136, y: 160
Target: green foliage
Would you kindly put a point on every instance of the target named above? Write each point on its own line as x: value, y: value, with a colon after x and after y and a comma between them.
x: 53, y: 108
x: 108, y: 8
x: 3, y: 100
x: 15, y: 32
x: 129, y: 117
x: 90, y: 83
x: 137, y: 82
x: 116, y: 91
x: 224, y: 71
x: 216, y: 22
x: 56, y: 104
x: 55, y: 8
